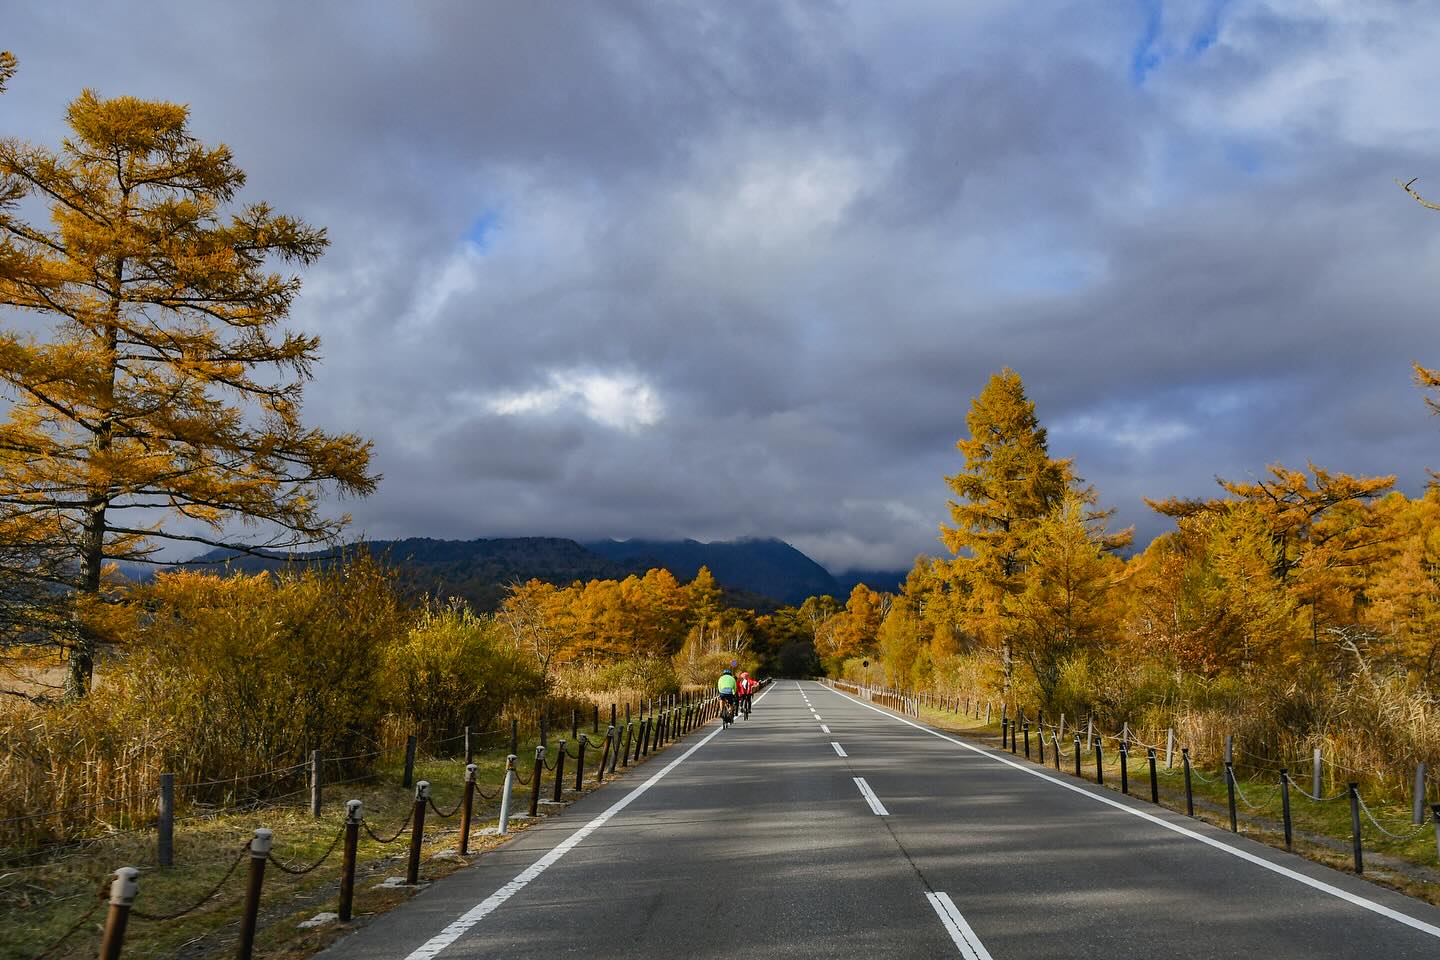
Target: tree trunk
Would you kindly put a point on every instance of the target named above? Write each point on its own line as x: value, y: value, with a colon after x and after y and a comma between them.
x: 92, y: 557
x: 92, y: 561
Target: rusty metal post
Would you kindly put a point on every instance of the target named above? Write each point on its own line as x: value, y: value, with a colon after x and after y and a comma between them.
x: 559, y: 772
x: 1189, y: 791
x: 580, y: 762
x: 417, y: 832
x: 354, y: 812
x: 467, y: 808
x: 1353, y: 789
x: 535, y: 781
x: 353, y: 815
x: 1285, y: 807
x: 122, y: 896
x: 605, y: 755
x: 259, y: 853
x: 1230, y: 786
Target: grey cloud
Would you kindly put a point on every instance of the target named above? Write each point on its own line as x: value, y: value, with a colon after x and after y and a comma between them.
x: 813, y: 230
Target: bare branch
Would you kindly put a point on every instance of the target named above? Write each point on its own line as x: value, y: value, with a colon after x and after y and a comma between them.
x: 1410, y: 189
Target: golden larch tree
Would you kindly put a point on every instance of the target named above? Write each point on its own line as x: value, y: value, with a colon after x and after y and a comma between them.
x: 163, y: 402
x: 1009, y: 483
x: 1064, y: 609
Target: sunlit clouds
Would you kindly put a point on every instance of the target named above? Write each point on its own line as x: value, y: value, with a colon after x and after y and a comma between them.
x: 621, y: 401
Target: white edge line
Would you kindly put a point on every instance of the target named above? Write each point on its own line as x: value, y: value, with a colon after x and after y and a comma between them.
x: 1320, y: 885
x: 825, y: 728
x: 457, y: 927
x: 839, y: 750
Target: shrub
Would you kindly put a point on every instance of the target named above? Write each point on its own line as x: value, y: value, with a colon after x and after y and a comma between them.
x: 261, y: 670
x: 453, y: 668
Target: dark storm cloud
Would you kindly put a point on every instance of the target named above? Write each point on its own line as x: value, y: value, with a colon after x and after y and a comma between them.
x: 742, y: 266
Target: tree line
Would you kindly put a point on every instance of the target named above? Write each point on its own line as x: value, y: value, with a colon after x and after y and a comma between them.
x: 1306, y: 595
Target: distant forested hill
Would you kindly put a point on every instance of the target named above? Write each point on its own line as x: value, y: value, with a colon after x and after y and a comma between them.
x: 474, y: 570
x: 757, y: 573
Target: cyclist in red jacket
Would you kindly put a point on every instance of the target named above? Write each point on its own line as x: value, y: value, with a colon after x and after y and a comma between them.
x: 748, y: 686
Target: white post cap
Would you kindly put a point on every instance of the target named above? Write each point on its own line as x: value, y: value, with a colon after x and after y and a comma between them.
x: 124, y: 887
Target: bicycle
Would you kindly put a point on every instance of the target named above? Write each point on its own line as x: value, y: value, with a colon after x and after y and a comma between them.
x: 745, y: 705
x: 727, y: 711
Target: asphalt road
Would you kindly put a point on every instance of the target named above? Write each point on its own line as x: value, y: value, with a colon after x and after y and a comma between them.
x: 827, y: 828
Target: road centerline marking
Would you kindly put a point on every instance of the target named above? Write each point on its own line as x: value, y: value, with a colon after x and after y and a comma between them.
x: 960, y: 931
x: 839, y: 750
x: 1320, y: 885
x: 876, y: 807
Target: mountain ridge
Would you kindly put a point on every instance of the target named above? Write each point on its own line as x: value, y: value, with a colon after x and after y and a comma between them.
x: 757, y: 572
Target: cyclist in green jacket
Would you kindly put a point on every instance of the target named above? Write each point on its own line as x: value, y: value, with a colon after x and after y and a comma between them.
x: 726, y: 687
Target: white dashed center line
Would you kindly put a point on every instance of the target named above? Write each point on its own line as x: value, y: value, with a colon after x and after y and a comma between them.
x: 876, y: 806
x: 970, y: 946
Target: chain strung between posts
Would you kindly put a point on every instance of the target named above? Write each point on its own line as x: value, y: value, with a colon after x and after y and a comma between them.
x: 1295, y: 785
x: 1393, y: 836
x: 73, y: 927
x: 441, y: 813
x: 1246, y: 800
x: 162, y: 917
x: 301, y: 871
x: 376, y: 837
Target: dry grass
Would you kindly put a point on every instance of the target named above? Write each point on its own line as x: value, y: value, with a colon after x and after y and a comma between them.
x: 42, y: 898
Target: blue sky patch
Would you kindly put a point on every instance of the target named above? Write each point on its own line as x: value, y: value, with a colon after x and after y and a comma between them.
x: 1151, y: 51
x: 1243, y: 156
x: 482, y: 231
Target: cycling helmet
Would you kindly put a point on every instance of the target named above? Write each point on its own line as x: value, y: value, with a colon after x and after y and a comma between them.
x: 726, y: 670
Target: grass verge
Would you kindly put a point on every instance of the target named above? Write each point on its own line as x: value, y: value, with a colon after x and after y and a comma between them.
x: 42, y: 899
x: 1321, y: 830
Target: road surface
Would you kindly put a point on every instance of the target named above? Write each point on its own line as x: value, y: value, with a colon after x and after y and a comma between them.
x: 824, y: 827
